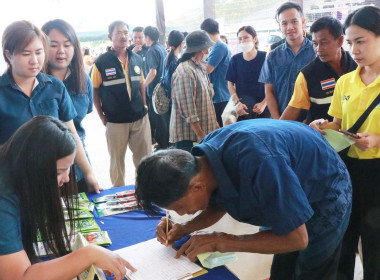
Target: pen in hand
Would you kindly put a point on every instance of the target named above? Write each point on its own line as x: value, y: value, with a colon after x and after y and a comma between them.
x: 167, y: 226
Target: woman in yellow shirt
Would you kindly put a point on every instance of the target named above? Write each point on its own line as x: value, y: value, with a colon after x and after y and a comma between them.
x: 353, y: 94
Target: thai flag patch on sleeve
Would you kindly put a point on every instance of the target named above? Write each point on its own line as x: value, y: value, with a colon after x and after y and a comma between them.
x: 110, y: 71
x: 327, y: 84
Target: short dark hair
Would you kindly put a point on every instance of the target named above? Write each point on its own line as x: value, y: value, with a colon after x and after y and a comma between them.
x: 18, y: 35
x: 113, y: 25
x: 138, y: 29
x: 163, y: 178
x: 251, y: 31
x: 286, y: 6
x: 152, y: 32
x: 331, y: 24
x: 367, y: 17
x: 210, y: 25
x: 29, y: 159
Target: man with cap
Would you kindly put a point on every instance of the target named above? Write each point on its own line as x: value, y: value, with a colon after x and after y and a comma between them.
x: 193, y: 114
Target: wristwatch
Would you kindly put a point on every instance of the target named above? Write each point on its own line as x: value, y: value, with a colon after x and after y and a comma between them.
x: 236, y: 102
x: 146, y: 107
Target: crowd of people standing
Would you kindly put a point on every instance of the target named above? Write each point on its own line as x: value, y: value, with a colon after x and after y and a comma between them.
x: 50, y: 86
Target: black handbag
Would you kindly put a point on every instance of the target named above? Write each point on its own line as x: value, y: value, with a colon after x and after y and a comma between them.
x: 358, y: 124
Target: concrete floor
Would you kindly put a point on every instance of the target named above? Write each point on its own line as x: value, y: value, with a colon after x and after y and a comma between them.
x: 248, y: 266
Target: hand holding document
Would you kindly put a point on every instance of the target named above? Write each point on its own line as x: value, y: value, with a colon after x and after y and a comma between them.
x: 337, y: 140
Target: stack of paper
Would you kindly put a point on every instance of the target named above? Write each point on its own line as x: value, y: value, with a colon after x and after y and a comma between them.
x: 155, y: 261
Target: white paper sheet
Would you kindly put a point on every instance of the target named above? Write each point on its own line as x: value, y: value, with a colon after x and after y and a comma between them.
x: 155, y: 261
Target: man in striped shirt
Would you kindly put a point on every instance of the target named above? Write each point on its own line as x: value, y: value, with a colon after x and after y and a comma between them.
x: 193, y: 114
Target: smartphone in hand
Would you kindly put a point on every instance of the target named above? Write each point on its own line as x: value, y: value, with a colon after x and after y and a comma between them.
x: 353, y: 135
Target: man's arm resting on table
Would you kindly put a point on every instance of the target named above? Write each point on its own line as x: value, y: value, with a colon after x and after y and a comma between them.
x: 271, y: 101
x: 264, y: 242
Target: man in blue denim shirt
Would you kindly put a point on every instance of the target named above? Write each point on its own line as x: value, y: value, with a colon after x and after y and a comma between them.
x: 283, y: 64
x: 277, y: 174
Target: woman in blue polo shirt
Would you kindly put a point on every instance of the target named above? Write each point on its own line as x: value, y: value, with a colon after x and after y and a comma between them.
x: 25, y: 92
x: 65, y: 62
x: 34, y: 181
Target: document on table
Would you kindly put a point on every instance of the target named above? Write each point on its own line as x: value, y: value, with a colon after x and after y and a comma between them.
x: 155, y: 261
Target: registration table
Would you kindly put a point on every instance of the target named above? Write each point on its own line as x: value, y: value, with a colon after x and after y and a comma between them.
x: 133, y: 227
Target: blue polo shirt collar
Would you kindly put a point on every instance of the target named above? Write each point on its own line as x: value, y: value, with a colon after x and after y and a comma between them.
x: 225, y: 187
x: 304, y: 43
x: 7, y: 79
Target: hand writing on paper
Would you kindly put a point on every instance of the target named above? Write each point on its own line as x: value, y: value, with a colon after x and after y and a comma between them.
x: 202, y: 243
x: 176, y: 232
x: 367, y: 140
x: 111, y: 263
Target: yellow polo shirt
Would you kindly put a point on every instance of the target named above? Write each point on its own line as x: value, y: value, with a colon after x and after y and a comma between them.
x: 351, y: 98
x: 300, y: 98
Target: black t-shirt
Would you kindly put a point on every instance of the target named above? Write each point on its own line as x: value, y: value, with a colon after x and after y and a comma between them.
x: 245, y: 74
x: 155, y: 60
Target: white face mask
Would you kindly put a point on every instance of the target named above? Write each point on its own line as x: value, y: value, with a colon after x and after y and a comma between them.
x: 205, y: 55
x: 247, y: 46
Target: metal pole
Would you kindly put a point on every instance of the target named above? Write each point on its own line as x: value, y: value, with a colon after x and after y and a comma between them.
x: 209, y: 9
x: 160, y: 21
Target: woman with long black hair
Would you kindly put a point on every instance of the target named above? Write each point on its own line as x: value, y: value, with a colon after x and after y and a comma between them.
x: 34, y: 180
x: 65, y: 62
x: 175, y: 43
